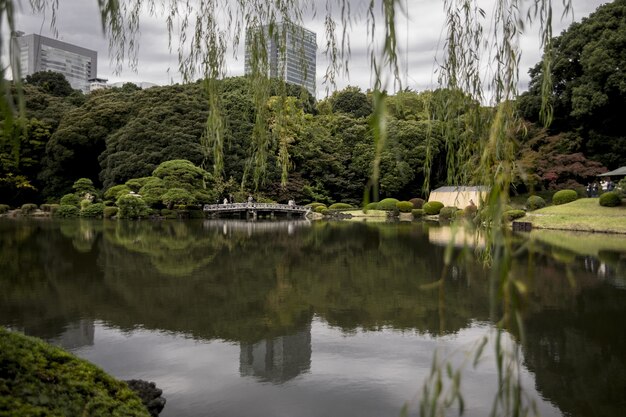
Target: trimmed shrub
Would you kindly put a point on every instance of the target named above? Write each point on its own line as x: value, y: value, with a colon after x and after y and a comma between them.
x: 371, y: 206
x: 169, y: 214
x: 404, y: 206
x: 447, y: 213
x: 417, y: 213
x: 432, y: 207
x: 564, y: 197
x: 511, y: 215
x: 28, y: 209
x: 4, y: 208
x: 535, y: 202
x: 135, y: 184
x: 608, y: 199
x: 131, y: 207
x: 109, y: 212
x: 340, y: 206
x: 70, y: 200
x: 84, y: 204
x: 388, y: 204
x: 84, y: 186
x: 116, y: 192
x: 418, y: 203
x: 52, y: 208
x: 66, y: 211
x: 177, y: 196
x: 315, y: 205
x: 95, y: 210
x: 43, y: 380
x: 319, y: 209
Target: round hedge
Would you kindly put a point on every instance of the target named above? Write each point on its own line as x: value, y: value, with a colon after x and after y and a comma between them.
x: 447, y: 213
x: 109, y: 212
x: 511, y: 215
x: 404, y: 206
x: 319, y: 209
x: 315, y: 205
x: 417, y: 213
x: 28, y: 208
x: 432, y: 207
x: 4, y: 208
x: 610, y: 199
x: 387, y: 204
x: 340, y: 206
x: 70, y: 200
x: 371, y: 206
x: 470, y: 211
x: 535, y: 202
x: 42, y: 380
x: 95, y: 210
x: 66, y: 211
x: 418, y: 203
x: 564, y: 197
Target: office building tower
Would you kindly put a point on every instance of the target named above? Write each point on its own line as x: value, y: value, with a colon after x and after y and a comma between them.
x: 292, y: 61
x: 38, y: 53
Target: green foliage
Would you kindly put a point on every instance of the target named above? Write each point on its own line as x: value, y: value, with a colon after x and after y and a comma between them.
x: 70, y: 200
x: 535, y: 202
x: 469, y: 212
x: 564, y: 197
x: 177, y: 196
x: 83, y: 186
x: 66, y: 211
x: 152, y: 191
x: 432, y: 208
x: 46, y: 208
x: 417, y: 213
x: 131, y: 207
x: 511, y: 215
x: 84, y: 204
x: 404, y: 206
x: 109, y: 212
x: 116, y: 191
x: 4, y: 208
x: 38, y: 379
x: 51, y: 82
x: 417, y: 202
x: 315, y: 205
x: 169, y: 214
x: 320, y: 208
x: 340, y: 206
x: 135, y: 184
x: 183, y: 174
x: 351, y: 101
x: 388, y: 204
x: 446, y: 213
x: 371, y: 206
x: 28, y: 209
x: 610, y: 199
x: 95, y: 210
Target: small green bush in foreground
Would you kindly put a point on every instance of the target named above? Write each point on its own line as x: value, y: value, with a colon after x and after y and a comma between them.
x: 371, y: 206
x: 564, y: 197
x: 131, y: 207
x: 4, y: 208
x: 340, y: 206
x: 535, y: 202
x: 404, y: 206
x: 447, y: 213
x: 109, y: 212
x: 42, y: 380
x: 432, y: 207
x: 315, y: 205
x: 417, y: 213
x: 610, y: 199
x: 95, y: 210
x: 66, y: 211
x: 511, y: 215
x: 388, y: 204
x: 319, y: 209
x: 28, y: 209
x: 70, y: 200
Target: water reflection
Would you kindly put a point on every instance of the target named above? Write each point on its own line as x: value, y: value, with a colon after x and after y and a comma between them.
x: 256, y: 288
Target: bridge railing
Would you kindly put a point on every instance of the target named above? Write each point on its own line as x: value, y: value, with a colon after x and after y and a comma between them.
x: 254, y: 206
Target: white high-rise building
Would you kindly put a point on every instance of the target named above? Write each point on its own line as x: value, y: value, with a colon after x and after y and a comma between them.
x: 294, y: 61
x: 38, y: 53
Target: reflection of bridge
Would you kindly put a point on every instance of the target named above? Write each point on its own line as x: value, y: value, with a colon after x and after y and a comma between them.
x: 254, y: 209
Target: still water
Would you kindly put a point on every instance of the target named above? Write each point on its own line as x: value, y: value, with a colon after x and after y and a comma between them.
x: 316, y: 319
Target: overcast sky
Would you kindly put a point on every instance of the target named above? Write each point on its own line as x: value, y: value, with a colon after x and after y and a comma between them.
x: 78, y: 22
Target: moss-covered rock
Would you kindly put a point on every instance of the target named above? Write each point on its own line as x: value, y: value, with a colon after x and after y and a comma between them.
x: 37, y: 379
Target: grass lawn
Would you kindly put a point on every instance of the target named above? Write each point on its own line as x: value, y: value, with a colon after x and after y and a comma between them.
x: 584, y: 214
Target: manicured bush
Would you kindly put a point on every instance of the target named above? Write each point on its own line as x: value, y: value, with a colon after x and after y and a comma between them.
x: 511, y: 215
x: 388, y: 204
x: 447, y: 213
x: 84, y: 204
x: 340, y: 206
x: 95, y: 210
x: 564, y: 197
x: 469, y: 212
x: 319, y: 209
x: 432, y: 207
x: 4, y: 208
x: 169, y: 214
x: 38, y: 379
x: 135, y: 184
x: 417, y: 213
x: 418, y: 203
x: 315, y: 205
x: 535, y: 202
x: 66, y: 211
x: 404, y: 206
x: 28, y: 209
x: 610, y: 199
x: 131, y: 206
x: 70, y: 200
x: 109, y: 212
x: 324, y: 211
x: 371, y: 206
x: 84, y: 186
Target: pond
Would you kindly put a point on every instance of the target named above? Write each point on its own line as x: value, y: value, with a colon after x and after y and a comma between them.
x: 292, y: 318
